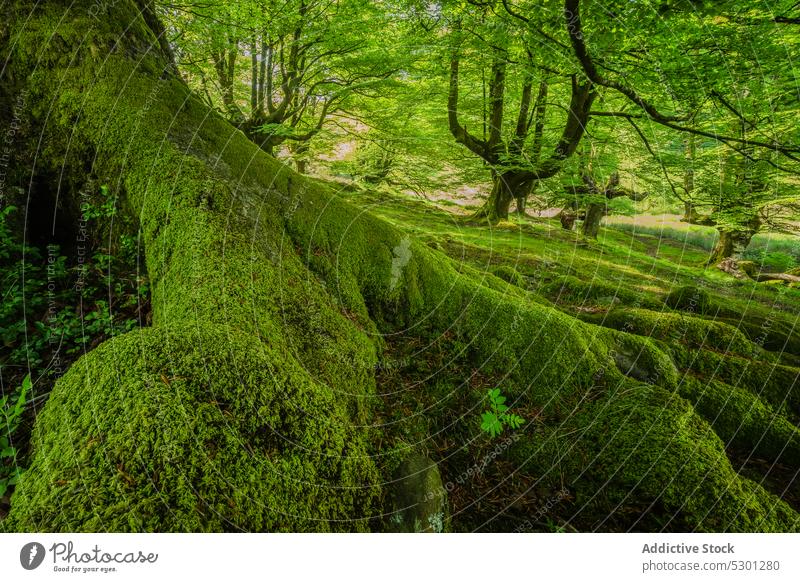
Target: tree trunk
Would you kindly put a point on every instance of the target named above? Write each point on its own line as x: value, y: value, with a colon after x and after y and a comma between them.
x: 506, y: 187
x: 730, y: 244
x: 521, y: 196
x: 689, y: 212
x: 567, y: 218
x: 521, y: 203
x: 594, y: 214
x: 251, y: 404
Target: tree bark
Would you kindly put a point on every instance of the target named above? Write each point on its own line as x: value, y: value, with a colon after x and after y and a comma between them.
x: 506, y: 188
x: 594, y: 214
x: 567, y: 218
x: 730, y: 244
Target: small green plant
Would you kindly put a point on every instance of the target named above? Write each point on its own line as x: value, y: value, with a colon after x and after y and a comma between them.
x: 11, y: 407
x: 497, y: 417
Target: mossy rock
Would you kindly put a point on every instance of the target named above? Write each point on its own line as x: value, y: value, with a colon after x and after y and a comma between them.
x: 638, y: 446
x: 691, y: 299
x: 509, y: 275
x: 201, y: 430
x: 641, y: 359
x: 749, y: 268
x: 652, y: 445
x: 744, y: 420
x: 419, y: 499
x: 670, y: 326
x: 571, y: 289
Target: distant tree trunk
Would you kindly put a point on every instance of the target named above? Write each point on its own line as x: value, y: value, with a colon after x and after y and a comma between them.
x: 521, y: 197
x: 594, y: 214
x: 689, y: 213
x: 299, y: 152
x: 506, y: 187
x: 730, y: 244
x: 568, y: 218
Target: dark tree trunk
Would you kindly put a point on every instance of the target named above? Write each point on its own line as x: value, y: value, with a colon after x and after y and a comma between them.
x: 594, y: 214
x: 506, y: 188
x: 731, y: 244
x: 223, y: 278
x: 521, y: 196
x: 567, y: 218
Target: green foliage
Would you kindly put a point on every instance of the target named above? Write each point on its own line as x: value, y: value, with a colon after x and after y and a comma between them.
x: 373, y: 162
x: 11, y: 408
x: 271, y: 326
x: 498, y: 416
x: 54, y: 310
x: 772, y: 262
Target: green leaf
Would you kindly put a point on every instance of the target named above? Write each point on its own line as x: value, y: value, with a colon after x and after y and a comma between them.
x: 513, y: 421
x: 491, y: 424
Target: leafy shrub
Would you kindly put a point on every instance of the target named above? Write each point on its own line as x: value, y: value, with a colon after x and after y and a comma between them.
x: 497, y: 417
x: 54, y: 310
x: 11, y: 408
x: 771, y: 261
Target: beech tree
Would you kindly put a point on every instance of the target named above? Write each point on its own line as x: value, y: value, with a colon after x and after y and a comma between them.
x: 514, y: 156
x: 251, y: 402
x: 281, y: 69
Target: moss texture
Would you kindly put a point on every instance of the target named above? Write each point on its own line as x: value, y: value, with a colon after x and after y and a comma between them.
x: 509, y: 275
x: 691, y: 299
x: 195, y: 430
x: 248, y: 405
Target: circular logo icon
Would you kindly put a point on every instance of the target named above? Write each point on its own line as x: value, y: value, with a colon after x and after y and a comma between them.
x: 31, y: 555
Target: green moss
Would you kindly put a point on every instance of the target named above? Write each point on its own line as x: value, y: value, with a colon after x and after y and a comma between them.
x: 650, y: 445
x: 774, y: 383
x: 638, y: 457
x: 691, y: 299
x: 272, y: 299
x: 196, y: 430
x: 641, y: 359
x: 510, y: 275
x: 570, y: 289
x: 678, y: 327
x: 743, y: 420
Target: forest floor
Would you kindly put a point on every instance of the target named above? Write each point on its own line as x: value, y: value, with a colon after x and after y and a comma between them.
x: 587, y: 279
x: 639, y: 263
